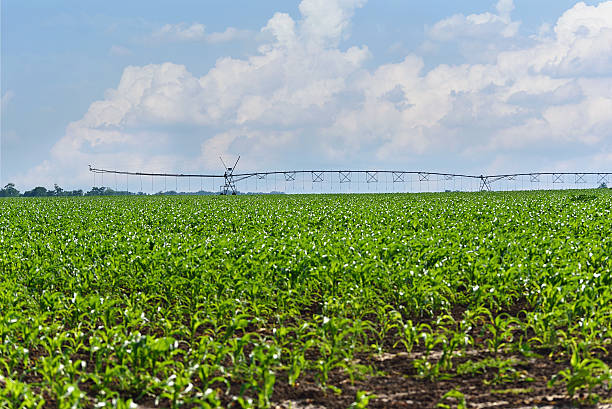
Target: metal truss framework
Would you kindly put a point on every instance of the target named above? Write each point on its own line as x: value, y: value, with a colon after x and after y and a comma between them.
x: 486, y: 182
x: 399, y: 177
x: 423, y: 177
x: 317, y: 176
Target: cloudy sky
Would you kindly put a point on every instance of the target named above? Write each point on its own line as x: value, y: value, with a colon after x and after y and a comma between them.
x: 478, y: 86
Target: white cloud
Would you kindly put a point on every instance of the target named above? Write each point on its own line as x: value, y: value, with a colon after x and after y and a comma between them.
x: 197, y: 32
x: 477, y: 38
x: 303, y: 99
x: 587, y: 122
x: 180, y: 32
x: 230, y: 34
x: 541, y: 94
x: 581, y: 45
x: 326, y: 22
x: 483, y: 27
x: 504, y: 8
x: 282, y: 27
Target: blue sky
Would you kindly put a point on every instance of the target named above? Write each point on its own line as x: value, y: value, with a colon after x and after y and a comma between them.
x: 479, y: 86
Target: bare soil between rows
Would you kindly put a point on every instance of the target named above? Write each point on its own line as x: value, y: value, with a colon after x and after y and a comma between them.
x: 398, y: 386
x: 393, y: 380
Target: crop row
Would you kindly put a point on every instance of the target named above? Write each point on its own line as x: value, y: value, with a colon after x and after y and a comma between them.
x: 332, y: 299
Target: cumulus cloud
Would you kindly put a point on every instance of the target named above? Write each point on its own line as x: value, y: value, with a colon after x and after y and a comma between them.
x: 326, y: 22
x: 477, y: 37
x: 479, y: 26
x: 581, y: 45
x: 504, y: 8
x: 303, y: 99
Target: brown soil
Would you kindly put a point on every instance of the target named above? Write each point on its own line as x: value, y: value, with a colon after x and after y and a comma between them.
x: 399, y: 387
x: 394, y: 382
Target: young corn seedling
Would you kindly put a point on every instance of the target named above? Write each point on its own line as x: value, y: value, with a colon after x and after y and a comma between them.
x: 583, y: 373
x: 18, y: 395
x: 297, y: 359
x: 453, y: 399
x: 177, y: 389
x: 408, y: 335
x: 362, y: 400
x: 425, y: 368
x: 501, y: 330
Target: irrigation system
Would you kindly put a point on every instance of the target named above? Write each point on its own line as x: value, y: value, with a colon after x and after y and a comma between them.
x: 345, y: 181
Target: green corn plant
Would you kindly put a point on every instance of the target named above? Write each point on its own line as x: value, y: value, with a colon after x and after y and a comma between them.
x: 69, y: 396
x: 362, y: 399
x: 388, y: 319
x: 454, y: 395
x: 18, y: 395
x: 177, y: 389
x: 501, y: 330
x: 583, y: 373
x: 209, y: 366
x: 407, y: 335
x: 424, y: 366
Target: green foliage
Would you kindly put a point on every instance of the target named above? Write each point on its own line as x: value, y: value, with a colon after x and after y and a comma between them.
x: 361, y: 400
x: 455, y: 396
x: 9, y: 191
x: 215, y: 301
x: 583, y: 373
x: 18, y: 395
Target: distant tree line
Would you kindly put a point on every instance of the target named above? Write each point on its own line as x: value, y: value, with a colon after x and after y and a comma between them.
x: 10, y: 191
x: 39, y: 191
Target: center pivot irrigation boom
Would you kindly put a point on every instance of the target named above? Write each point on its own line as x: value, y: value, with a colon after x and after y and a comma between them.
x: 453, y: 181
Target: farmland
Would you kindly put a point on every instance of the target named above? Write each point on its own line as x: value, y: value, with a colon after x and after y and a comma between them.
x: 451, y: 299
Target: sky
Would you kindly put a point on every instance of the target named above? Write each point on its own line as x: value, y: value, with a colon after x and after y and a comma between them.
x: 156, y: 86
